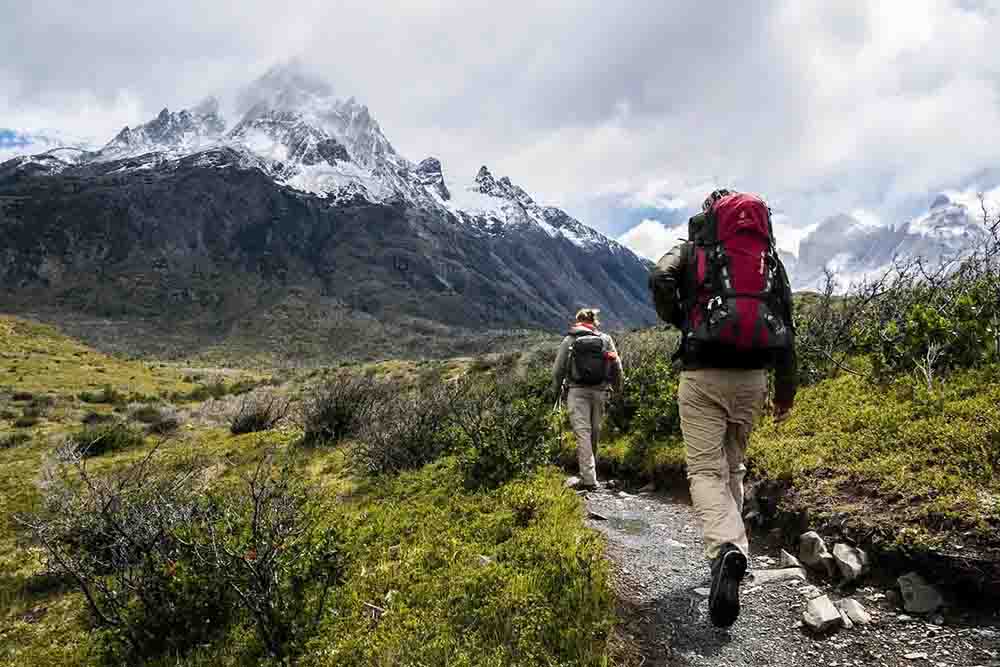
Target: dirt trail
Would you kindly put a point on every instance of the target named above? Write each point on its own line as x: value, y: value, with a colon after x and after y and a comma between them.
x: 655, y: 548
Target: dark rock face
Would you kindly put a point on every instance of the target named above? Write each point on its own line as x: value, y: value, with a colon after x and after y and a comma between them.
x: 208, y: 237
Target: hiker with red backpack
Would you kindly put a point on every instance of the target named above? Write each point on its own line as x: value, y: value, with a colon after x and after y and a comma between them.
x: 727, y: 291
x: 588, y: 363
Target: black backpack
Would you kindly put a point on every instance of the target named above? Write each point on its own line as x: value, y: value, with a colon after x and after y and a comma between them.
x: 587, y: 363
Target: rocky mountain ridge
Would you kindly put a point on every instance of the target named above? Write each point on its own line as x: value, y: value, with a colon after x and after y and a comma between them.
x: 303, y: 201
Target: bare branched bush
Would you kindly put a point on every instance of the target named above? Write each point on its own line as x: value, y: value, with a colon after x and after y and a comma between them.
x: 259, y: 412
x: 339, y: 408
x: 165, y: 564
x: 118, y: 538
x: 271, y: 550
x: 407, y: 431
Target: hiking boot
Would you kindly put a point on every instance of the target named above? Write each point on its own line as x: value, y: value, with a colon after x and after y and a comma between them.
x: 728, y: 569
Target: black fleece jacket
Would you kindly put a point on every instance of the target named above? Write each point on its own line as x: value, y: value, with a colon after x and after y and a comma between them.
x: 670, y: 293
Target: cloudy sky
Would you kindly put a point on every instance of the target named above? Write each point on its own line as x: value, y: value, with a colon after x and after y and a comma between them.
x: 619, y: 112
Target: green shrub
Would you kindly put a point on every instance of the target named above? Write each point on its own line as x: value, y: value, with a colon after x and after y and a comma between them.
x: 258, y: 413
x: 338, y: 409
x: 26, y: 421
x: 505, y: 427
x: 104, y: 438
x: 14, y: 440
x: 108, y: 395
x: 92, y: 418
x: 147, y: 414
x: 646, y: 407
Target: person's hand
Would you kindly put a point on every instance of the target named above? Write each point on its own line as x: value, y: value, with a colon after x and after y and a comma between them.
x: 782, y: 411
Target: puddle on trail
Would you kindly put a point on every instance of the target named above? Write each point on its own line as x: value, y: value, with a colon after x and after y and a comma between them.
x: 629, y: 526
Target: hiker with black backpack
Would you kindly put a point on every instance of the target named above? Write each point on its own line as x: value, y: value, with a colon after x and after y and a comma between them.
x: 727, y: 291
x: 588, y: 364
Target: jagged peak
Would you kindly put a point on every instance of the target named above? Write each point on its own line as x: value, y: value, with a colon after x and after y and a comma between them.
x: 941, y: 200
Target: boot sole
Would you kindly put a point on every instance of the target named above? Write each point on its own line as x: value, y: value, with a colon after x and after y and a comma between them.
x: 724, y: 608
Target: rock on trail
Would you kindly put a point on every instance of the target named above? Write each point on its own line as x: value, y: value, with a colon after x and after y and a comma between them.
x: 661, y: 578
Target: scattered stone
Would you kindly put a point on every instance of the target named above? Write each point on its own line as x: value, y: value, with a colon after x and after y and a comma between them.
x: 703, y: 592
x: 810, y: 592
x: 595, y: 516
x: 919, y: 597
x: 846, y: 620
x: 813, y: 553
x: 572, y: 482
x: 903, y: 618
x: 675, y: 544
x: 821, y: 615
x: 649, y: 488
x: 788, y: 560
x: 850, y: 560
x: 916, y: 656
x: 771, y: 576
x: 855, y: 611
x: 622, y: 494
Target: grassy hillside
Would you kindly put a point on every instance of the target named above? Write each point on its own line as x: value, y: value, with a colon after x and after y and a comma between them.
x: 425, y: 569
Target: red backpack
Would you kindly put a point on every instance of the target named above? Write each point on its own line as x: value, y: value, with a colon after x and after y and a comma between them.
x: 736, y: 281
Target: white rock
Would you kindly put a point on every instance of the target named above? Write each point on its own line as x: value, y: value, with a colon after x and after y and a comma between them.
x: 915, y: 656
x: 919, y: 597
x: 810, y: 592
x: 813, y: 553
x: 850, y: 561
x: 703, y: 592
x: 485, y: 560
x: 788, y: 560
x: 855, y: 611
x: 770, y: 576
x: 572, y: 482
x: 846, y: 620
x: 821, y: 615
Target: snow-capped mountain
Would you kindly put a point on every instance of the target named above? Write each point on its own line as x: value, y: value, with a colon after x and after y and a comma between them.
x: 854, y: 249
x: 302, y: 193
x: 180, y: 131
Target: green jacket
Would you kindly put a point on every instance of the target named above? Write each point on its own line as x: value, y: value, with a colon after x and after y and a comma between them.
x: 560, y: 369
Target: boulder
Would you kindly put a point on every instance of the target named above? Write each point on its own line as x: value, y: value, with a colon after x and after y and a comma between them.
x: 919, y: 597
x: 788, y: 560
x: 809, y: 592
x: 821, y: 615
x: 854, y: 611
x: 572, y: 482
x: 814, y: 554
x: 850, y: 561
x: 784, y: 574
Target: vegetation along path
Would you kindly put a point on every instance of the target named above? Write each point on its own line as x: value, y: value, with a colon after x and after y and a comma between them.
x: 662, y: 581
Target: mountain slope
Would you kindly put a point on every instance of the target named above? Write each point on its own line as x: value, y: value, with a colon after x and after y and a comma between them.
x: 854, y: 250
x: 301, y: 207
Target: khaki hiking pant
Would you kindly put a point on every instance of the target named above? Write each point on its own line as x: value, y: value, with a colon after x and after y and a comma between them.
x: 586, y: 412
x: 718, y: 410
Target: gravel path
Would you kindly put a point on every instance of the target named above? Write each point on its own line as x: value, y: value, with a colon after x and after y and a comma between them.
x: 656, y: 551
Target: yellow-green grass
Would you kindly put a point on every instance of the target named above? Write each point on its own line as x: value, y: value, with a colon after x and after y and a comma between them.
x: 923, y: 464
x: 36, y: 358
